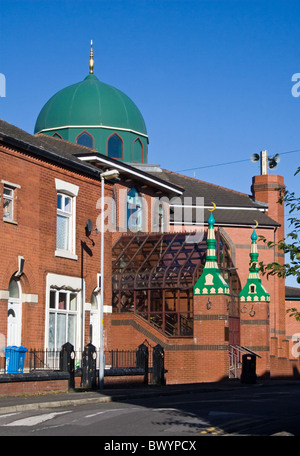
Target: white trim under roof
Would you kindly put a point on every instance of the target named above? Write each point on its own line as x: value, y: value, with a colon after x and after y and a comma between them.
x: 205, y: 223
x: 242, y: 208
x: 130, y: 171
x: 94, y: 126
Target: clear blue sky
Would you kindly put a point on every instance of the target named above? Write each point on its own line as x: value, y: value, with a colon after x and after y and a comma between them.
x: 211, y: 78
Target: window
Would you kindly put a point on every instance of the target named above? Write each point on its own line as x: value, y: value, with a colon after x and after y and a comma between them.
x: 115, y: 147
x: 134, y: 211
x: 64, y: 222
x: 9, y: 198
x: 65, y: 219
x: 137, y: 151
x: 8, y: 203
x: 85, y: 139
x: 14, y: 290
x: 63, y: 315
x: 252, y: 289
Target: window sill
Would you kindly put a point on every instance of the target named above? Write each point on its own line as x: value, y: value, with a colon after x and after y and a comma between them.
x: 9, y: 221
x: 64, y: 254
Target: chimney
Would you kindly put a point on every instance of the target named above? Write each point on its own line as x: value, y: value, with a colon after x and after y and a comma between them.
x: 267, y: 189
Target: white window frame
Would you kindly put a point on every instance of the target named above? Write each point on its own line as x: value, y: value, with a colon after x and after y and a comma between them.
x: 67, y: 190
x: 11, y: 187
x: 66, y: 284
x: 67, y: 313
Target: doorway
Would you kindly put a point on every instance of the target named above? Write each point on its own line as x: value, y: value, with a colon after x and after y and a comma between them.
x: 14, y: 314
x: 94, y: 320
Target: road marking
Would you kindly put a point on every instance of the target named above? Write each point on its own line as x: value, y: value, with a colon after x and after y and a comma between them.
x: 34, y: 420
x: 212, y: 431
x: 9, y: 414
x: 113, y: 410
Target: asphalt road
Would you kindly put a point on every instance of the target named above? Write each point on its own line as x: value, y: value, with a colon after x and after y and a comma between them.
x: 254, y: 411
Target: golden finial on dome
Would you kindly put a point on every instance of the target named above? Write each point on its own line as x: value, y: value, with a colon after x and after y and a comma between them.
x: 91, y: 63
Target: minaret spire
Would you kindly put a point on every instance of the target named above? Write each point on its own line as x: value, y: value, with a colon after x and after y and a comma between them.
x: 211, y: 281
x: 253, y: 290
x: 91, y: 62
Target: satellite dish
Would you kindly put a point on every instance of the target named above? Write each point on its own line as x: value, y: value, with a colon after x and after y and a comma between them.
x: 254, y: 158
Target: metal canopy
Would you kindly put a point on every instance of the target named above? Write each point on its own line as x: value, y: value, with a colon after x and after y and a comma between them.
x: 156, y: 261
x: 154, y: 274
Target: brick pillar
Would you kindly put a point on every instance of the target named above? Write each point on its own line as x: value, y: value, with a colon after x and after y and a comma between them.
x: 266, y: 188
x: 211, y: 336
x: 211, y: 322
x: 255, y: 334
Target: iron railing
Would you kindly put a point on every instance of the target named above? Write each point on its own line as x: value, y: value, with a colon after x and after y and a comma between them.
x: 49, y: 360
x: 235, y: 359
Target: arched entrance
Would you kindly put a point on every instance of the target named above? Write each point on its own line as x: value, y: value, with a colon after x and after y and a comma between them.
x: 14, y: 313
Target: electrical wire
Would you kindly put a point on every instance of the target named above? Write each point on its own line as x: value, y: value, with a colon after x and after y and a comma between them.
x: 232, y: 162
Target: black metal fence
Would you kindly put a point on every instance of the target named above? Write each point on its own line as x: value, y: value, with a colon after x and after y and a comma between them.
x: 146, y: 360
x: 120, y: 359
x: 36, y: 359
x: 49, y: 360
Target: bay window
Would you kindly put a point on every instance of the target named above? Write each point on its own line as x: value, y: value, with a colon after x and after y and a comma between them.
x: 63, y: 316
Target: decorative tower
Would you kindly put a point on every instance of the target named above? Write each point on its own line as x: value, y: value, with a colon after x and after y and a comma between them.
x: 254, y: 313
x: 211, y: 281
x: 254, y: 291
x: 211, y: 319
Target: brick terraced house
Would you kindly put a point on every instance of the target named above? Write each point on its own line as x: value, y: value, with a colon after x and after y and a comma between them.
x: 179, y: 266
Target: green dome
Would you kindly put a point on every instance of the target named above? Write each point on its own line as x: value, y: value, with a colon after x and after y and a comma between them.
x: 99, y: 116
x: 90, y: 103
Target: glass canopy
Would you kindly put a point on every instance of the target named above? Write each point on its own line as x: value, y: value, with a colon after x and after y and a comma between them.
x: 153, y: 275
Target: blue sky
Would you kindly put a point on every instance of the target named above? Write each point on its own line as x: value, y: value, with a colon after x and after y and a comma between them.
x: 212, y: 79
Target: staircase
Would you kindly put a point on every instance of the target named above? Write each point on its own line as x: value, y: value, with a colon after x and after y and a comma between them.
x: 170, y: 324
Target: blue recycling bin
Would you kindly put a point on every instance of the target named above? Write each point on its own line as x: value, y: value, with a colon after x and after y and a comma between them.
x: 14, y: 359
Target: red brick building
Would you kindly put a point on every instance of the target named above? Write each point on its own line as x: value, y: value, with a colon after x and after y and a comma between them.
x: 155, y: 248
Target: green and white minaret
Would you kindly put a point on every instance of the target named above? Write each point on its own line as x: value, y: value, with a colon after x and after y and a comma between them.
x: 211, y: 281
x: 254, y: 291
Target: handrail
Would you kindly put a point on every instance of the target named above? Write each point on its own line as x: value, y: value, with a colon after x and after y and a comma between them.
x: 244, y: 350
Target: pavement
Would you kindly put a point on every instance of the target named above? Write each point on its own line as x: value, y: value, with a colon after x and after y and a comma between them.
x: 112, y: 394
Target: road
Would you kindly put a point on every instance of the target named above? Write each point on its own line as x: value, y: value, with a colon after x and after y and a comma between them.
x: 253, y: 411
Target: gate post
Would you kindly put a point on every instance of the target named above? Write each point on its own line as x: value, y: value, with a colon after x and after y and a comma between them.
x: 67, y: 362
x: 89, y: 356
x: 142, y: 360
x: 158, y: 365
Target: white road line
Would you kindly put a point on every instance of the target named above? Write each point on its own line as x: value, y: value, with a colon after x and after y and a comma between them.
x: 113, y: 410
x: 34, y: 420
x: 9, y: 414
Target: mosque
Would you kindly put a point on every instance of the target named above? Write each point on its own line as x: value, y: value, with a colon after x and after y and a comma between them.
x: 101, y: 246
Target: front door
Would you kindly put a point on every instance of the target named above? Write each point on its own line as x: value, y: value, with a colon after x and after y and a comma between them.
x: 95, y: 321
x: 14, y: 322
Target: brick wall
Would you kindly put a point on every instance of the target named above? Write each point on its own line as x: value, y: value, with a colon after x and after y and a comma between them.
x: 33, y: 236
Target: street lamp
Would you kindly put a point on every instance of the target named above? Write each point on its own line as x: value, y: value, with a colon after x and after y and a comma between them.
x: 107, y: 175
